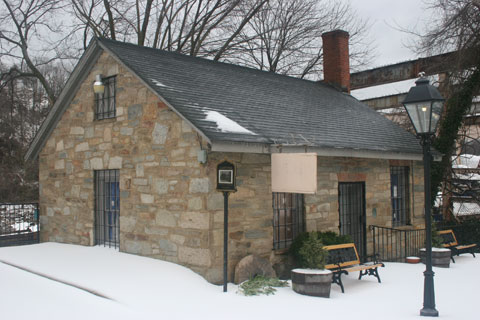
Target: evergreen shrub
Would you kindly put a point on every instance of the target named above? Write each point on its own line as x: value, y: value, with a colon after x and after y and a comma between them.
x: 307, y: 248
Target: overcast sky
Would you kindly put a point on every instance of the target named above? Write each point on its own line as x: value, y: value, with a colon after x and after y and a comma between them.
x: 386, y: 17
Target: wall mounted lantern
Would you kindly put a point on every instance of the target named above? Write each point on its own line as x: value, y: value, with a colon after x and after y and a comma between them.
x: 98, y: 85
x: 226, y: 177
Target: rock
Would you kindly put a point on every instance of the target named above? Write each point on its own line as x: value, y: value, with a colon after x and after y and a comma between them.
x: 59, y: 164
x: 81, y: 147
x: 194, y: 256
x: 96, y: 163
x: 115, y: 163
x: 146, y: 198
x: 199, y: 185
x: 160, y: 185
x: 251, y: 266
x: 159, y: 134
x: 194, y: 220
x: 134, y: 111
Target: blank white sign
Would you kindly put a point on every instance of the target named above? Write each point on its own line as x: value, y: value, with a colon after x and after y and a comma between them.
x: 294, y: 172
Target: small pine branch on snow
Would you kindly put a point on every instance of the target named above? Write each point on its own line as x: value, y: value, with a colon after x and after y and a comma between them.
x: 261, y: 285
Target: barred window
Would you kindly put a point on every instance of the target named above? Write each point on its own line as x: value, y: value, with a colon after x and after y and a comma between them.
x: 400, y: 195
x: 105, y: 102
x: 288, y: 218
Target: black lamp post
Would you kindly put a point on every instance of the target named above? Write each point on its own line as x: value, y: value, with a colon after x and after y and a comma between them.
x: 424, y: 105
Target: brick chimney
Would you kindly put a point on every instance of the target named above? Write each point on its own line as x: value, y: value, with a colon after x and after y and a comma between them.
x: 336, y: 59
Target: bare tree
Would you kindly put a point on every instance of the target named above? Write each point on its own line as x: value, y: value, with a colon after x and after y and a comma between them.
x: 24, y: 104
x: 285, y: 37
x: 25, y: 29
x: 282, y: 36
x: 194, y: 27
x: 455, y: 28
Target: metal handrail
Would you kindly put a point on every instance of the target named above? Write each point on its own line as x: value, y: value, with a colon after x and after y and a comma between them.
x: 393, y: 244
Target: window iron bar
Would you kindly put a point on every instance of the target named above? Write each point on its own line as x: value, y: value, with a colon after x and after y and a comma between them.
x: 105, y: 102
x: 107, y: 208
x: 288, y: 218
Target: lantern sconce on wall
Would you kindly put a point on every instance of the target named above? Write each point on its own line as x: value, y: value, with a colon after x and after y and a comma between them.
x: 98, y: 86
x: 202, y: 156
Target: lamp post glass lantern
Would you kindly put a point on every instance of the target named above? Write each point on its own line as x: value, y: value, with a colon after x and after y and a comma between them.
x: 424, y: 105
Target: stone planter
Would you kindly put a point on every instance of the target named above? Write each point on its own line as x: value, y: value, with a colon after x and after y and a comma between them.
x: 312, y: 282
x: 440, y: 257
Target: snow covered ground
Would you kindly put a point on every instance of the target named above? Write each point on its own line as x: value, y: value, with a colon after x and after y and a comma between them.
x: 143, y: 288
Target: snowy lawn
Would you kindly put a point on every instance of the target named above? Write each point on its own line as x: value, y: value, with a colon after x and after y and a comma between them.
x: 143, y: 288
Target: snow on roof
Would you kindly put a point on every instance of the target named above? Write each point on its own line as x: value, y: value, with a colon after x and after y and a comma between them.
x: 391, y: 110
x: 225, y: 124
x: 384, y: 90
x: 158, y: 83
x: 468, y: 176
x: 465, y: 161
x: 465, y: 208
x: 388, y: 89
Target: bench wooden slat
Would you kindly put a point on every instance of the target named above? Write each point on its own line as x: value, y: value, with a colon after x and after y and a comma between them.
x: 466, y: 246
x: 363, y: 267
x: 448, y: 237
x: 344, y: 246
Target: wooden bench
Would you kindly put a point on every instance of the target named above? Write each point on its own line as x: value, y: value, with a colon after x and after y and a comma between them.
x: 450, y: 242
x: 343, y: 258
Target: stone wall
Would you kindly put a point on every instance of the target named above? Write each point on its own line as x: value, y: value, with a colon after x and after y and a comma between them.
x: 164, y: 189
x: 250, y: 208
x: 168, y: 206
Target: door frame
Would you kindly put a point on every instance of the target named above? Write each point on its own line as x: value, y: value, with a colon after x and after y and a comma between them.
x: 362, y: 250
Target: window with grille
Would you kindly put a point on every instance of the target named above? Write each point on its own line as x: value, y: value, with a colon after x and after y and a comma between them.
x: 107, y: 208
x: 400, y: 195
x: 105, y: 102
x: 288, y: 218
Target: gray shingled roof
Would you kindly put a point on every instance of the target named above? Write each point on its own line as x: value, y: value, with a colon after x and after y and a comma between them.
x: 270, y: 109
x: 276, y: 108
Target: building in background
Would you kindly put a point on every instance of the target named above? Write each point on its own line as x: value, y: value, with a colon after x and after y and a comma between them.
x: 384, y: 89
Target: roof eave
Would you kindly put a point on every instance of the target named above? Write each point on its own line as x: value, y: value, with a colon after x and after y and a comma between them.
x: 86, y: 63
x: 241, y: 147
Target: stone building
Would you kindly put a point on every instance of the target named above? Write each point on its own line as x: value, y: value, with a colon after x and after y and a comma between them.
x: 135, y: 167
